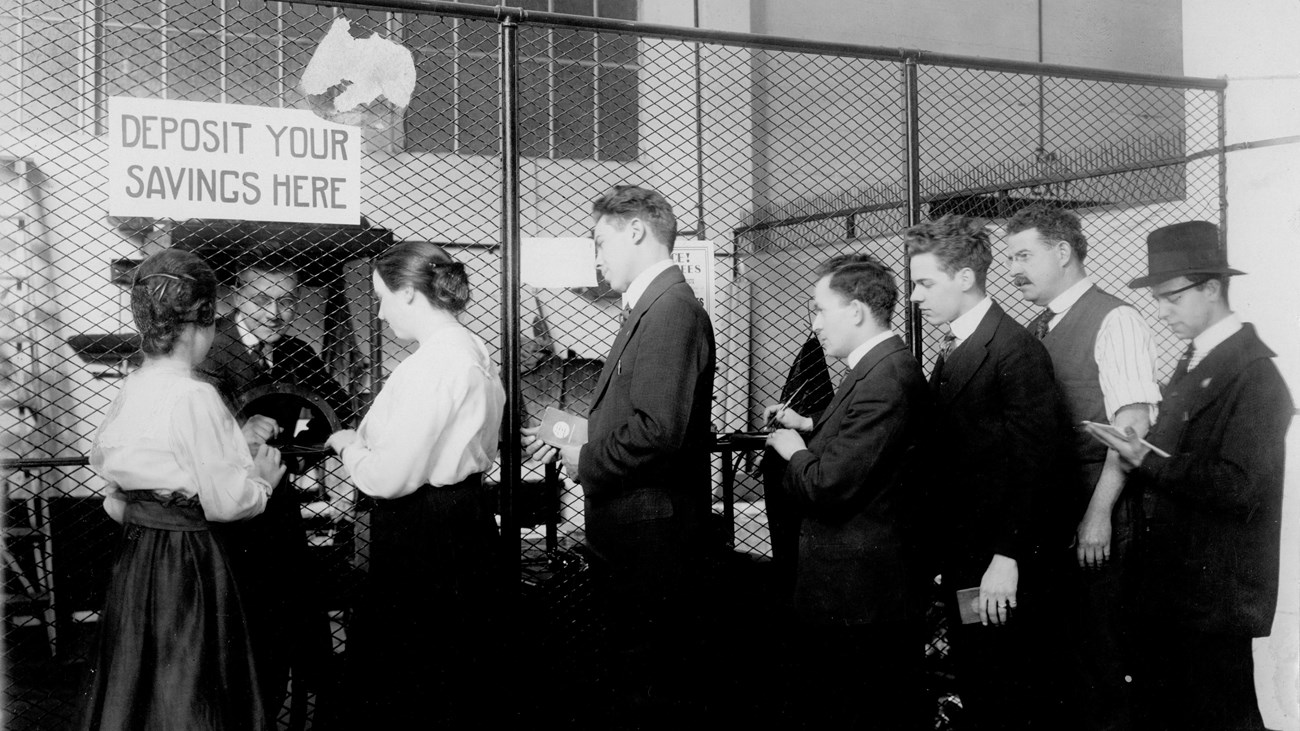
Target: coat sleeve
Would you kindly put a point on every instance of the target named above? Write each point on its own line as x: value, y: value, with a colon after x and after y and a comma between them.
x: 1033, y: 427
x: 1239, y: 472
x: 670, y: 354
x: 870, y: 437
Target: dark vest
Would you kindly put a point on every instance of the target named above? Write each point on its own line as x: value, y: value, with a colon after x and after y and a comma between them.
x: 1072, y: 345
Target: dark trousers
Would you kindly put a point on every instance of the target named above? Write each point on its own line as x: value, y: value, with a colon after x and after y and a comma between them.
x: 858, y: 677
x: 1195, y: 681
x: 1101, y: 619
x: 1012, y: 677
x: 652, y: 670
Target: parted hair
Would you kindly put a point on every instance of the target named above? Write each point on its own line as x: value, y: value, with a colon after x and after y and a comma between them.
x: 1053, y: 223
x: 956, y: 241
x: 170, y: 290
x: 860, y: 277
x: 427, y: 269
x: 625, y: 202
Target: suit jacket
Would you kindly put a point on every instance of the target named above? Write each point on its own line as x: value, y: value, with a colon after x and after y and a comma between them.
x: 1209, y: 556
x: 1001, y: 475
x: 856, y: 537
x: 646, y: 464
x: 234, y: 370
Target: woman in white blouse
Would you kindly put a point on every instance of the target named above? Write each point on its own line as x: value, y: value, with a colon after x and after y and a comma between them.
x: 173, y: 647
x: 418, y: 643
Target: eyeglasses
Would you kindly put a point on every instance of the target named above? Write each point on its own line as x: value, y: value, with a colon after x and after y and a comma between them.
x: 266, y: 300
x: 1169, y: 296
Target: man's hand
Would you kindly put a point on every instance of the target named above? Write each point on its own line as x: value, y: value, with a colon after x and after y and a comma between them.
x: 1129, y: 447
x: 569, y: 456
x: 1092, y: 540
x: 535, y: 449
x: 786, y: 442
x: 258, y: 430
x: 998, y: 590
x: 339, y: 440
x: 779, y: 414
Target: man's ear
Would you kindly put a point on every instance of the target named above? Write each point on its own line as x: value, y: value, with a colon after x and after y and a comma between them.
x: 636, y: 230
x: 966, y: 276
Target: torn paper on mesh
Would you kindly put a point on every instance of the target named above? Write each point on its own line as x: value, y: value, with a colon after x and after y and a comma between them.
x: 346, y: 74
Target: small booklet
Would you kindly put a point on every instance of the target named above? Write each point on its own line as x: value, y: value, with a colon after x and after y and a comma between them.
x: 562, y: 429
x: 968, y: 603
x: 1094, y: 428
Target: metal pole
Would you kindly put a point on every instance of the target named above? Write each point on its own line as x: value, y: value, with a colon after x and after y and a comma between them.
x: 1223, y: 171
x: 511, y: 461
x: 912, y: 158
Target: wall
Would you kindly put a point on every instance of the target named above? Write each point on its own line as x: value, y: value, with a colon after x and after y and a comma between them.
x: 1253, y: 45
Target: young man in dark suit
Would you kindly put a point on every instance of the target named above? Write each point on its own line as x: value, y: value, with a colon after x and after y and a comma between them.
x: 645, y: 469
x: 997, y: 477
x: 1207, y: 569
x: 252, y: 348
x: 857, y: 594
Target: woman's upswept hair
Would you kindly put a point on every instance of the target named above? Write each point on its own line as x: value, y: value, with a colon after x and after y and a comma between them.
x: 170, y: 290
x: 427, y: 269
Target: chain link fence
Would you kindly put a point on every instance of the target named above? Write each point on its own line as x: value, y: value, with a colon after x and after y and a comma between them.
x: 779, y: 153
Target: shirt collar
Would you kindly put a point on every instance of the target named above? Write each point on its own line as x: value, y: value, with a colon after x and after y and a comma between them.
x: 964, y: 327
x: 1216, y: 334
x: 861, y: 351
x: 643, y: 280
x: 1065, y: 300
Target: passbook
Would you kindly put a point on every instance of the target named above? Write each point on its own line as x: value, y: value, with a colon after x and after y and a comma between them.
x: 562, y: 429
x: 968, y: 603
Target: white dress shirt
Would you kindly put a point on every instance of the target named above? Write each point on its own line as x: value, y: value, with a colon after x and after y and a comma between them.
x: 965, y: 325
x: 436, y: 421
x: 1125, y: 354
x: 861, y: 351
x: 169, y: 432
x: 1212, y: 337
x: 643, y: 280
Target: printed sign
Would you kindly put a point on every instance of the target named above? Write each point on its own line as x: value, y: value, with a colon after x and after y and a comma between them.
x: 179, y: 159
x: 695, y: 259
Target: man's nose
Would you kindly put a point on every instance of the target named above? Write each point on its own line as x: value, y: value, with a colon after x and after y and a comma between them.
x: 916, y: 295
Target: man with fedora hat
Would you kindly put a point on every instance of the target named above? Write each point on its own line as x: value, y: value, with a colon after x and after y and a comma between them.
x: 1207, y: 572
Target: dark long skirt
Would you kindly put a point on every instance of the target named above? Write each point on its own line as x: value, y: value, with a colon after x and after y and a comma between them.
x: 173, y: 647
x: 422, y: 641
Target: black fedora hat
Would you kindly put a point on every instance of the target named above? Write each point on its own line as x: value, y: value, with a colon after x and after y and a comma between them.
x: 1182, y: 250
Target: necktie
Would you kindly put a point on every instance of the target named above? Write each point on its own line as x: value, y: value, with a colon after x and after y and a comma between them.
x: 264, y: 355
x: 1041, y: 322
x: 1180, y: 370
x: 949, y: 342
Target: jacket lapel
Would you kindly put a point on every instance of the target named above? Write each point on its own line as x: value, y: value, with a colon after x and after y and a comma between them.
x: 963, y: 362
x: 874, y: 356
x: 658, y: 286
x: 1203, y: 384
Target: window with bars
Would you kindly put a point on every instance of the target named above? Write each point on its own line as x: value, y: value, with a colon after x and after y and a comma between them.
x: 579, y: 89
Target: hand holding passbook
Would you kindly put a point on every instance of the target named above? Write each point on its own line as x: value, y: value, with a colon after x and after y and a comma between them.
x: 1132, y: 448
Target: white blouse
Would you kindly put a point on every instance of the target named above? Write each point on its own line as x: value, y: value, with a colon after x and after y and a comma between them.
x: 168, y: 431
x: 437, y: 420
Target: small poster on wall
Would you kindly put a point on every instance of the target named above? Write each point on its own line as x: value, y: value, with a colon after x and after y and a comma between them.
x: 695, y: 259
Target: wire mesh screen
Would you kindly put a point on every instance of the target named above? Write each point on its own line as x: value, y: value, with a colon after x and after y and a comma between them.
x: 779, y: 158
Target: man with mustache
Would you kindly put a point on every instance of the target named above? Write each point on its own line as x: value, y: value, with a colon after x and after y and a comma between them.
x: 253, y: 348
x: 1104, y: 358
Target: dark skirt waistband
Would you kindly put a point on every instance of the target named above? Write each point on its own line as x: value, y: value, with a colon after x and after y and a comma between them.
x: 174, y: 511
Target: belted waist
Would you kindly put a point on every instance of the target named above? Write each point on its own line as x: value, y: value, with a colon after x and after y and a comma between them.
x: 165, y: 512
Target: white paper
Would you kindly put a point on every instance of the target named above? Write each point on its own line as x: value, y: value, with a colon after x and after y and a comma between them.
x: 562, y: 262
